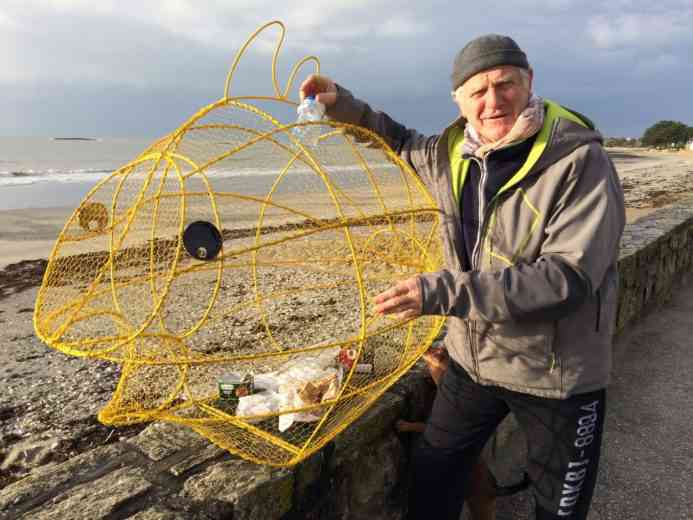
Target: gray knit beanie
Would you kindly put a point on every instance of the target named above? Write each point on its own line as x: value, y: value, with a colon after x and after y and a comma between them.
x: 486, y: 52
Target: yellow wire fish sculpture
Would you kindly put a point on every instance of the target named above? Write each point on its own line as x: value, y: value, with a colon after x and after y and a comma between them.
x: 230, y: 268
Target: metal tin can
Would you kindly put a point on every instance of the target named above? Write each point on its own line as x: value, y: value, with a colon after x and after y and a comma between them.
x: 234, y: 385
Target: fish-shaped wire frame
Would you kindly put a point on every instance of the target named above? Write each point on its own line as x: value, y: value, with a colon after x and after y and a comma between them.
x: 238, y: 247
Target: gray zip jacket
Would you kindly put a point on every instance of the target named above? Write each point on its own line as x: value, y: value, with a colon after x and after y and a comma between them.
x: 514, y: 320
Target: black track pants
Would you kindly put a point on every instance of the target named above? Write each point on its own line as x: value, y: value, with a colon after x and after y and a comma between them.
x: 563, y: 437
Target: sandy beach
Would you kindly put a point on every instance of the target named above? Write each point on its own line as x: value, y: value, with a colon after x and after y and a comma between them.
x: 29, y: 234
x: 37, y: 381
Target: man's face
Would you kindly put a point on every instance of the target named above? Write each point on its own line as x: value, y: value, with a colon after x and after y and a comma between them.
x: 492, y: 100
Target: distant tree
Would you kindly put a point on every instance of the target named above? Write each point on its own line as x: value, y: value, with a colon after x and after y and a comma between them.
x: 622, y: 142
x: 666, y: 134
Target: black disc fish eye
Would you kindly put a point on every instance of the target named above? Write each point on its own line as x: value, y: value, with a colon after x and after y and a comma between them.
x: 202, y: 240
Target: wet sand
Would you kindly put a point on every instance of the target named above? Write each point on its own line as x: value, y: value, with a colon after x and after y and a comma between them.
x: 29, y: 234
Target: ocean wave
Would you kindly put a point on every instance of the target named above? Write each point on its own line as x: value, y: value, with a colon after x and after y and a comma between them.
x: 26, y: 177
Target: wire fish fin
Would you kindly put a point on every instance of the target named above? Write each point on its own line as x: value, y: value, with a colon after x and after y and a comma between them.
x: 283, y: 95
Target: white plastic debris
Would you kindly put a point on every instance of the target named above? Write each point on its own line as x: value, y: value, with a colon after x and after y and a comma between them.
x: 304, y: 381
x: 262, y: 403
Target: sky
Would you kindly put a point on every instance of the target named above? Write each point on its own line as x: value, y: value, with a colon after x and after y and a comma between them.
x: 122, y: 68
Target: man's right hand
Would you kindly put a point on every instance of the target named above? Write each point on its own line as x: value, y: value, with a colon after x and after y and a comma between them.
x: 322, y: 88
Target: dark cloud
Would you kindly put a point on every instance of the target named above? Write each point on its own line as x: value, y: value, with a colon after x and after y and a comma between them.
x: 73, y: 68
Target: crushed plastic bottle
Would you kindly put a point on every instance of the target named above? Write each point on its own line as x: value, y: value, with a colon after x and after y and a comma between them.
x: 309, y: 110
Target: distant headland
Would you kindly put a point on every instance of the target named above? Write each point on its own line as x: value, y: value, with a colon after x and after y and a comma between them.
x: 74, y: 139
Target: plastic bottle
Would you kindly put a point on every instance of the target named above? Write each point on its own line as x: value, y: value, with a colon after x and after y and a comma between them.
x: 309, y: 110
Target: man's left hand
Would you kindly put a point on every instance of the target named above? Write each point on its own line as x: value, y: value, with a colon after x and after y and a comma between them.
x: 404, y: 300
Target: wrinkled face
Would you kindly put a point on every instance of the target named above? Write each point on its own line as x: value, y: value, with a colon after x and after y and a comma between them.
x: 492, y: 100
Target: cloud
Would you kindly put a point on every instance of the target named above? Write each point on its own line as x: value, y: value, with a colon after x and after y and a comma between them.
x: 640, y: 30
x: 397, y: 55
x: 402, y: 26
x: 215, y: 22
x: 119, y: 42
x: 5, y: 20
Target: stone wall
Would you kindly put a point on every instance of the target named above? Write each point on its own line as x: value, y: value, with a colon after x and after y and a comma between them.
x: 168, y: 472
x: 656, y: 252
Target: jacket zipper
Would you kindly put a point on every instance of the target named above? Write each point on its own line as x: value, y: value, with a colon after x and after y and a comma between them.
x: 599, y: 310
x: 476, y: 254
x: 468, y: 327
x: 482, y: 219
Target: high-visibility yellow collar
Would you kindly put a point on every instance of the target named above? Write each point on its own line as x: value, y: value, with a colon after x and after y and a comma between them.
x: 459, y: 166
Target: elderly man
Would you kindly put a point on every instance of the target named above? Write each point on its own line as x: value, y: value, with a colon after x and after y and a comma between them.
x: 533, y: 216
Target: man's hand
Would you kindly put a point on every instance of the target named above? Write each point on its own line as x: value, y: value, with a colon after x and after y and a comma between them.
x: 322, y: 88
x: 404, y: 300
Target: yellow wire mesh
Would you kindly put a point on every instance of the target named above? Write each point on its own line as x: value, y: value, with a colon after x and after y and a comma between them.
x: 312, y: 221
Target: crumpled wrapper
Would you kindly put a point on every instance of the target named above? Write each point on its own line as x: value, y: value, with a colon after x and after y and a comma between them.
x: 298, y: 383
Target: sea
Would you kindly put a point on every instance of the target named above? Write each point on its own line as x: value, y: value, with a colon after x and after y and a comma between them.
x: 47, y: 172
x: 41, y: 172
